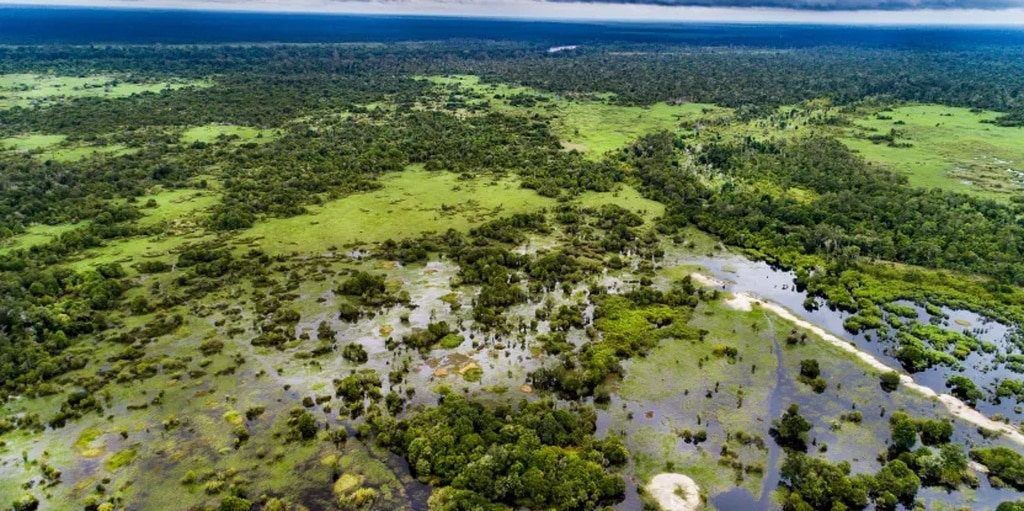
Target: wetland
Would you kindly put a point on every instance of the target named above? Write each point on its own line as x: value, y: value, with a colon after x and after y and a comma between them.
x: 414, y: 276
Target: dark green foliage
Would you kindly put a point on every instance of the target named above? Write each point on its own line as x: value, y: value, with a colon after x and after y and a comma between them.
x: 232, y: 503
x: 303, y: 425
x: 1004, y: 464
x: 903, y: 431
x: 812, y: 484
x: 27, y: 502
x: 534, y: 456
x: 934, y: 431
x: 947, y: 468
x: 361, y: 385
x: 790, y: 430
x: 1011, y: 506
x: 809, y: 369
x: 895, y: 484
x: 348, y: 312
x: 810, y: 374
x: 965, y: 389
x: 211, y: 346
x: 362, y: 284
x: 354, y: 352
x: 424, y: 339
x: 889, y: 381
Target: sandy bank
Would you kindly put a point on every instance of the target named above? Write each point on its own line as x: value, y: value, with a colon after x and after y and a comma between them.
x: 663, y: 488
x: 955, y: 406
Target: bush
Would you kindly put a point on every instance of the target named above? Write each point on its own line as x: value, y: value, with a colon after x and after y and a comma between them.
x: 355, y: 352
x: 233, y: 503
x: 889, y: 381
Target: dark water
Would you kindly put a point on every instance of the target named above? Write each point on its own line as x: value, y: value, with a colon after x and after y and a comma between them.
x: 35, y: 25
x: 778, y: 286
x: 760, y: 279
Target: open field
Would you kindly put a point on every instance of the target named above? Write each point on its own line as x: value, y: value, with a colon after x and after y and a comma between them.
x: 37, y: 235
x: 237, y: 134
x: 951, y: 148
x: 589, y: 124
x: 407, y: 204
x: 31, y: 142
x: 33, y: 90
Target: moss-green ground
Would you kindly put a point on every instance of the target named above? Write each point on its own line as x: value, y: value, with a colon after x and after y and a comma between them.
x: 407, y: 204
x: 951, y: 148
x: 591, y: 124
x: 32, y: 90
x: 237, y: 134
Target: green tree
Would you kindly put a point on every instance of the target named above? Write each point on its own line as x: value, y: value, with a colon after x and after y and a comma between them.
x: 790, y: 431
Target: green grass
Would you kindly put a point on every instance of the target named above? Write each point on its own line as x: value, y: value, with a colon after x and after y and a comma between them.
x: 55, y: 147
x: 627, y: 198
x: 75, y: 153
x: 177, y: 206
x: 596, y: 127
x: 951, y: 149
x: 33, y: 90
x: 87, y: 437
x: 129, y: 251
x: 211, y: 133
x: 590, y: 124
x: 672, y: 381
x: 31, y: 142
x: 37, y: 235
x: 409, y: 203
x: 121, y: 459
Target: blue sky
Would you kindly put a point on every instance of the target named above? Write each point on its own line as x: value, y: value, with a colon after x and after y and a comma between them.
x: 873, y: 12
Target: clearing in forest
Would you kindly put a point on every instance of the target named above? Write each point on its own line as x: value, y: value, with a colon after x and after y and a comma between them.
x: 944, y: 147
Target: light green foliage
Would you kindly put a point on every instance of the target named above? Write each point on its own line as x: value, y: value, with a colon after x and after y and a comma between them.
x: 121, y: 459
x: 1005, y: 465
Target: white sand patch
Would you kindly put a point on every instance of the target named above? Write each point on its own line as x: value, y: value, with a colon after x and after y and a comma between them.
x: 705, y: 280
x: 955, y: 406
x: 740, y: 302
x: 663, y: 488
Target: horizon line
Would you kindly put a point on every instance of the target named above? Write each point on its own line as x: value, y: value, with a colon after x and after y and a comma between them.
x: 538, y: 10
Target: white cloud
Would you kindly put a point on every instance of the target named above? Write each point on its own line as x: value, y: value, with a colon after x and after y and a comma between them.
x: 536, y: 9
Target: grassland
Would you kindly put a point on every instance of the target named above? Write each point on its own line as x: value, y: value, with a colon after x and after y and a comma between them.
x: 31, y: 142
x: 211, y: 133
x: 37, y: 235
x: 34, y: 90
x: 408, y: 203
x: 951, y: 148
x: 590, y: 124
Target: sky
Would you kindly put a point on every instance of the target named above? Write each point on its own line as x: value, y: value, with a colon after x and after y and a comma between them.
x: 869, y: 12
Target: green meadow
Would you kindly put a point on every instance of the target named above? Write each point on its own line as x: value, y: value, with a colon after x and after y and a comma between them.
x: 950, y: 148
x: 407, y: 204
x: 238, y: 134
x: 31, y: 142
x: 33, y: 90
x: 590, y: 124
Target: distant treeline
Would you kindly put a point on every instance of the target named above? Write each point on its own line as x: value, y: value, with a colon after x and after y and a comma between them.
x: 639, y: 74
